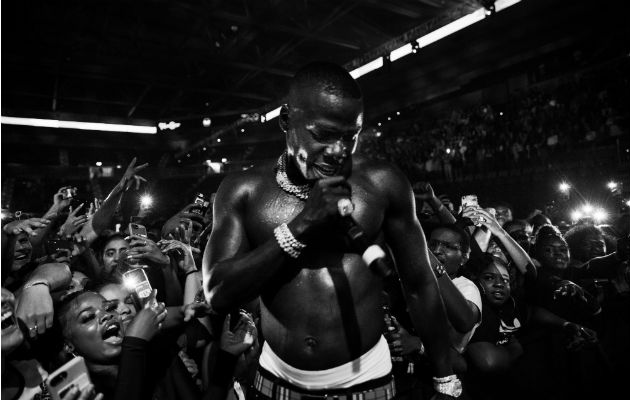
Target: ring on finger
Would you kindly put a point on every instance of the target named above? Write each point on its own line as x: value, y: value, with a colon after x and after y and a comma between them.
x: 345, y: 207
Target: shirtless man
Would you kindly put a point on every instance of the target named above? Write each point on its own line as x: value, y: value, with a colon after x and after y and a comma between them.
x: 276, y: 236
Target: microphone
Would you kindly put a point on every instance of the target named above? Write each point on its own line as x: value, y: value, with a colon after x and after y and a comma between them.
x: 373, y: 255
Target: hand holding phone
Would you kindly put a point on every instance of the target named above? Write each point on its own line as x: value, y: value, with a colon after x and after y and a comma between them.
x: 137, y: 282
x: 138, y: 230
x: 148, y: 321
x: 71, y: 377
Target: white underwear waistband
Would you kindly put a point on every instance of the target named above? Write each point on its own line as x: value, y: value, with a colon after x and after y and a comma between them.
x: 375, y: 363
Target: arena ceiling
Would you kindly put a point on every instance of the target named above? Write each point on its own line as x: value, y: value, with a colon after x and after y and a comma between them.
x: 161, y: 59
x: 158, y: 60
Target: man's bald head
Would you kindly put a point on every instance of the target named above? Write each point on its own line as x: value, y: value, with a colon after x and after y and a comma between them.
x: 327, y: 77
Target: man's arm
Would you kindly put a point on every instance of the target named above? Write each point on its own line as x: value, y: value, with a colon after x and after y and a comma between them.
x: 102, y: 218
x: 406, y: 239
x: 463, y: 314
x: 232, y: 273
x: 424, y: 192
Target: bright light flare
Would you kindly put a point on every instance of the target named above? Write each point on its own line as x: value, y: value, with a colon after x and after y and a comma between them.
x: 587, y: 208
x: 576, y: 215
x: 564, y: 187
x: 612, y: 185
x: 146, y: 201
x: 600, y: 215
x: 130, y: 281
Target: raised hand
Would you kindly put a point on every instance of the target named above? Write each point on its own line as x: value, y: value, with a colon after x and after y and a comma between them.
x: 88, y: 393
x: 35, y: 309
x: 74, y: 222
x: 145, y: 249
x: 244, y: 334
x: 423, y: 191
x: 29, y: 226
x: 187, y: 264
x: 61, y: 200
x: 131, y: 177
x: 570, y: 289
x: 195, y: 310
x: 578, y: 335
x: 147, y: 323
x: 486, y: 219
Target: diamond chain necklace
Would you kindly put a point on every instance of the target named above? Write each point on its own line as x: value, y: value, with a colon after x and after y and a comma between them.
x: 299, y: 191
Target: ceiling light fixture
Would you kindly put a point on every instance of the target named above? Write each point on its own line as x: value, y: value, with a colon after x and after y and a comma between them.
x: 367, y: 68
x: 87, y: 126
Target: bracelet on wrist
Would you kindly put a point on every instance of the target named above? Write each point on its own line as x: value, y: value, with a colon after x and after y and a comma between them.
x: 287, y: 242
x: 37, y: 282
x: 439, y: 270
x: 189, y: 272
x: 448, y: 385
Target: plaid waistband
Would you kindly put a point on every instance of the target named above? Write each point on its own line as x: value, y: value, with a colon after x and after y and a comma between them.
x: 278, y: 389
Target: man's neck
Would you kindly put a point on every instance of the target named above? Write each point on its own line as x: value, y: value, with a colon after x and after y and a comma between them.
x: 293, y: 172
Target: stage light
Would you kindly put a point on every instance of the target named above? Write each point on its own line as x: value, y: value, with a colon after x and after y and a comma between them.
x: 272, y: 114
x: 206, y: 122
x: 118, y: 166
x: 146, y: 201
x: 219, y: 140
x: 401, y: 52
x: 612, y: 185
x: 448, y: 151
x: 600, y: 215
x: 564, y: 187
x: 367, y: 68
x: 451, y: 28
x: 99, y: 164
x: 397, y: 112
x: 87, y: 126
x: 389, y: 118
x: 379, y: 124
x: 224, y: 160
x: 587, y: 208
x: 378, y: 134
x: 576, y: 215
x: 242, y: 130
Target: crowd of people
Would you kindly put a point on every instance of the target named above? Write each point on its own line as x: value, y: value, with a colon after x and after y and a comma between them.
x: 534, y: 126
x: 257, y: 291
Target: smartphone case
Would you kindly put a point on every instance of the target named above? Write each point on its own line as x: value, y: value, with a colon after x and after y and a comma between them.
x: 71, y: 374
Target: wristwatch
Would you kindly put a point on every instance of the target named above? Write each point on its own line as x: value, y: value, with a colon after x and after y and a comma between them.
x: 448, y: 385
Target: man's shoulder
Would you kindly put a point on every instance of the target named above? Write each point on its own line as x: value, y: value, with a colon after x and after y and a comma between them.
x: 380, y: 172
x: 242, y: 182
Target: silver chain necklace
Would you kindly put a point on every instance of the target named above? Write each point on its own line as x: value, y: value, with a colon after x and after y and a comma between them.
x: 299, y: 191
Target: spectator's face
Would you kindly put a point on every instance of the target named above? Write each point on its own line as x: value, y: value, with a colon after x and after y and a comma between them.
x: 119, y: 295
x: 317, y: 121
x: 11, y: 334
x: 554, y: 253
x: 495, y: 250
x: 592, y: 246
x: 445, y: 245
x: 22, y: 252
x: 91, y: 328
x: 494, y: 282
x: 112, y: 252
x: 522, y: 234
x: 77, y: 284
x: 504, y: 214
